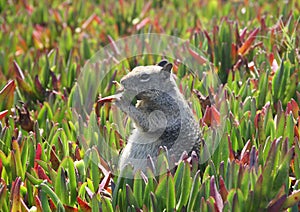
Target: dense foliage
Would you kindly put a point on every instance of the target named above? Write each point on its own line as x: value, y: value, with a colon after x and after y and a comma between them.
x: 254, y: 48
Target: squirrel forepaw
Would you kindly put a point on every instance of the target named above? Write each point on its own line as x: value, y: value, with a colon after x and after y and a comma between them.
x: 123, y: 104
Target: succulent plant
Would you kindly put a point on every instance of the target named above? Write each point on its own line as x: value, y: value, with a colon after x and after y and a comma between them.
x: 254, y: 48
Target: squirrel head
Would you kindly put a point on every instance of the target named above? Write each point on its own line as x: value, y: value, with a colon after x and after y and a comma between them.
x: 145, y: 81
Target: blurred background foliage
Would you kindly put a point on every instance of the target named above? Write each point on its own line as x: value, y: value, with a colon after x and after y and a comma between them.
x: 252, y: 45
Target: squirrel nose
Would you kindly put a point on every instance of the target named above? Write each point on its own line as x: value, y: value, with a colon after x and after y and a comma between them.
x: 123, y: 81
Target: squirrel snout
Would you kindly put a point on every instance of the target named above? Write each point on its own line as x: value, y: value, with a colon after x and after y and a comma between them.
x: 123, y: 82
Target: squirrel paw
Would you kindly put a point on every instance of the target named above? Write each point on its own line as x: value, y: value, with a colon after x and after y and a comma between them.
x: 123, y: 103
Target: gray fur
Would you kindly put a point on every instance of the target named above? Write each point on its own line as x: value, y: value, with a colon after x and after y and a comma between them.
x: 161, y: 117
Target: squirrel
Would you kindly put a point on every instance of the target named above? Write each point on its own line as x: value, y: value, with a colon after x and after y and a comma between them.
x: 161, y: 116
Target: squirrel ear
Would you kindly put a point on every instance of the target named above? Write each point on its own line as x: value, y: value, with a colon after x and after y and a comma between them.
x: 168, y: 67
x: 162, y: 63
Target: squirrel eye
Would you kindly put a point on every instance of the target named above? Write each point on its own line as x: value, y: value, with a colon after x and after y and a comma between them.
x: 145, y: 77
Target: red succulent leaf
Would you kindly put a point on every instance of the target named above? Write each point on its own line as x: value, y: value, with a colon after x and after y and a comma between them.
x: 245, y: 154
x: 234, y: 52
x: 77, y: 153
x: 28, y: 8
x: 90, y: 20
x: 293, y: 107
x: 246, y: 46
x: 113, y: 45
x: 38, y: 85
x: 42, y: 174
x: 38, y: 204
x: 258, y: 118
x: 3, y: 114
x: 15, y: 195
x: 223, y: 189
x: 243, y: 33
x: 215, y: 194
x: 276, y: 205
x: 57, y: 16
x: 245, y: 159
x: 38, y: 153
x: 273, y: 62
x: 201, y: 60
x: 157, y: 25
x: 271, y: 58
x: 84, y: 206
x: 52, y: 205
x: 70, y: 209
x: 53, y: 159
x: 211, y: 116
x: 18, y: 71
x: 8, y: 89
x: 231, y: 153
x: 260, y: 115
x: 143, y: 23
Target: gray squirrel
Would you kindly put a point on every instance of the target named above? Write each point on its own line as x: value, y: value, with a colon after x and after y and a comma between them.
x: 161, y: 116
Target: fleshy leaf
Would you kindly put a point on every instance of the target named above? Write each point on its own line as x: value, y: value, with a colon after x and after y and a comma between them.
x: 3, y: 114
x: 291, y: 200
x: 246, y: 46
x: 215, y: 194
x: 7, y: 95
x: 15, y: 195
